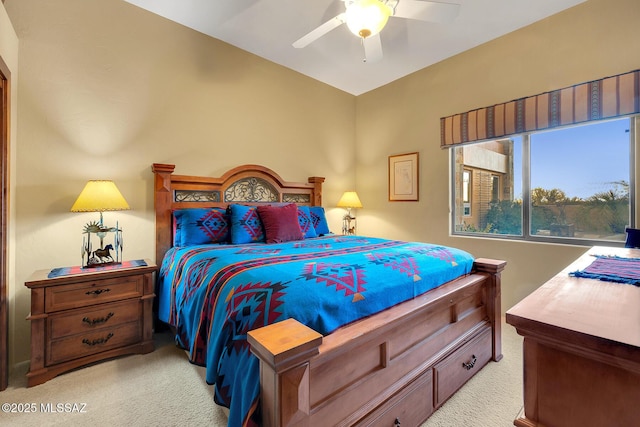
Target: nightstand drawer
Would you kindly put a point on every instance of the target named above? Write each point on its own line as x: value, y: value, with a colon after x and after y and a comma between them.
x: 81, y: 345
x: 85, y: 320
x: 92, y: 292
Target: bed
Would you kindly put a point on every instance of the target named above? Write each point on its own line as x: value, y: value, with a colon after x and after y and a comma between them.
x: 307, y: 329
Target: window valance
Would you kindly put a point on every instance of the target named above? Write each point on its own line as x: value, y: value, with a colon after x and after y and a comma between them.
x: 599, y: 99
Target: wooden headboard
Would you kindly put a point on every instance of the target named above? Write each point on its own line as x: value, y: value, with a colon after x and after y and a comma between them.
x: 247, y: 184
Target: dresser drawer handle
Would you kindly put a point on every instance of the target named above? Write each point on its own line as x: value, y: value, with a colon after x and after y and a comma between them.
x: 98, y: 341
x: 98, y: 320
x: 470, y: 364
x: 97, y: 291
x: 396, y: 423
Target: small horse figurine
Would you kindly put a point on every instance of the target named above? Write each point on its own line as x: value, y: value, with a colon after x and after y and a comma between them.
x: 104, y: 255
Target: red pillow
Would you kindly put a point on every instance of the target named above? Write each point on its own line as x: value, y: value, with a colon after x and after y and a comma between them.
x: 280, y: 223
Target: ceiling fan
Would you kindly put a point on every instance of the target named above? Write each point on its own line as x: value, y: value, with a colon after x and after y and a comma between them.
x: 365, y: 19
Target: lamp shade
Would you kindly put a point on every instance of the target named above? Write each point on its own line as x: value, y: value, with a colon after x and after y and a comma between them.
x: 366, y: 18
x: 100, y: 196
x: 349, y: 199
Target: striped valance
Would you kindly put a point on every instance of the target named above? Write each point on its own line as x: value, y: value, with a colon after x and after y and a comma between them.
x: 599, y: 99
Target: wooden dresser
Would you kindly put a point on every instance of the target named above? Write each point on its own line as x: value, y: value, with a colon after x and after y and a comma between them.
x: 83, y: 318
x: 581, y: 349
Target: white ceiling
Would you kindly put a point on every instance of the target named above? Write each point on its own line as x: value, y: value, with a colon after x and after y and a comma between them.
x: 267, y: 28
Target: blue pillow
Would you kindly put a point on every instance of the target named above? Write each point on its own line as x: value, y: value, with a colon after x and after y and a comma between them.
x: 200, y: 226
x: 246, y: 226
x: 319, y: 220
x: 306, y: 222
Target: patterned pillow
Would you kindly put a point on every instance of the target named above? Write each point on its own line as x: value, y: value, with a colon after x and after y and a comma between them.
x: 199, y: 226
x: 305, y: 222
x: 246, y: 226
x: 280, y: 223
x: 319, y: 220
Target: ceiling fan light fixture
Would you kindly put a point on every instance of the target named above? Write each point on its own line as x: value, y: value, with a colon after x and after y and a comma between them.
x: 366, y: 18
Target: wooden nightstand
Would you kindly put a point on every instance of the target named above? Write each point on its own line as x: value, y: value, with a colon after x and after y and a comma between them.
x: 83, y: 318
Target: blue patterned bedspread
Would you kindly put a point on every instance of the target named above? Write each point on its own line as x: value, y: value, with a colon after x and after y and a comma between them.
x: 215, y: 294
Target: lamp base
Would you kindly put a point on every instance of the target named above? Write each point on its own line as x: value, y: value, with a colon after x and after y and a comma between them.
x: 349, y: 224
x: 105, y: 255
x: 102, y: 264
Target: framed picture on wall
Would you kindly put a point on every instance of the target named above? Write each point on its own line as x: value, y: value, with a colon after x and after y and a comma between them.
x: 403, y: 177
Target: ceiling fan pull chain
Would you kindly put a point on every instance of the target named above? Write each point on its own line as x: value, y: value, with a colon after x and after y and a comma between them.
x: 363, y: 49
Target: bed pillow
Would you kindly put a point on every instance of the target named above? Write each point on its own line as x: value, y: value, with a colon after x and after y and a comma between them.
x: 280, y: 223
x: 305, y: 222
x: 200, y: 226
x: 246, y: 226
x: 319, y: 220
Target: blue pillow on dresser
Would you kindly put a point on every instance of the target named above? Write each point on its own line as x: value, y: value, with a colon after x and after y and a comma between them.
x: 319, y: 220
x: 199, y: 226
x: 306, y: 222
x: 246, y: 226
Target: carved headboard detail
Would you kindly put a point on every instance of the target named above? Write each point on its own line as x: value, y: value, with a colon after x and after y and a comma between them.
x: 247, y: 184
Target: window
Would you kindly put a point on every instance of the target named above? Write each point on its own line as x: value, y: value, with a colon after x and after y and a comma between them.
x: 495, y: 188
x: 466, y: 192
x: 569, y: 185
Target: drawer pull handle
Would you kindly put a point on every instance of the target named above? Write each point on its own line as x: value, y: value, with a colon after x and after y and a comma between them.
x: 396, y: 423
x: 93, y: 322
x: 470, y: 364
x: 97, y: 291
x: 98, y: 341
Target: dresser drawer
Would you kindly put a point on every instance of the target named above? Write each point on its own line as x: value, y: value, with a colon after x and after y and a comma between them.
x: 451, y: 373
x: 410, y: 407
x: 103, y: 339
x: 91, y: 318
x: 92, y: 292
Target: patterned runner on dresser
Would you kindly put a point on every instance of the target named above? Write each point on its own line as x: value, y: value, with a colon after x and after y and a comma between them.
x: 612, y: 269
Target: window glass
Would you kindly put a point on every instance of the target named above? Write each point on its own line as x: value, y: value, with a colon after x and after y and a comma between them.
x: 575, y: 181
x: 493, y: 206
x: 580, y: 181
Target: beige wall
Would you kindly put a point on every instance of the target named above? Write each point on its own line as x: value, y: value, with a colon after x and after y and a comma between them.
x: 9, y: 54
x: 106, y: 89
x: 595, y: 39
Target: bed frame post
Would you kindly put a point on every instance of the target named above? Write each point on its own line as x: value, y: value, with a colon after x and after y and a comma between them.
x: 284, y: 350
x: 162, y: 199
x: 317, y: 190
x: 494, y: 300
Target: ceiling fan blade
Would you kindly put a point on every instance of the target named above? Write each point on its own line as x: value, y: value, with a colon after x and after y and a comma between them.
x: 372, y: 48
x: 429, y: 11
x: 320, y: 31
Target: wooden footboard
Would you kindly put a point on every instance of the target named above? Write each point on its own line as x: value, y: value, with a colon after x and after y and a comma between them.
x: 394, y: 367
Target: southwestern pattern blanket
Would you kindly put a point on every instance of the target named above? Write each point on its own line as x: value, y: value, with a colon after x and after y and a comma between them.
x: 214, y: 294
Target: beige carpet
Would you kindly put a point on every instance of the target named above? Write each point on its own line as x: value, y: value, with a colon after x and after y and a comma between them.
x: 163, y: 389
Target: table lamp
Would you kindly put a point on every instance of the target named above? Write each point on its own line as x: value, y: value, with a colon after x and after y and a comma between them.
x: 100, y: 196
x: 349, y: 200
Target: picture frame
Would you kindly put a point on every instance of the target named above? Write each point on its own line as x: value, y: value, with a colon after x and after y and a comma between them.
x: 403, y: 177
